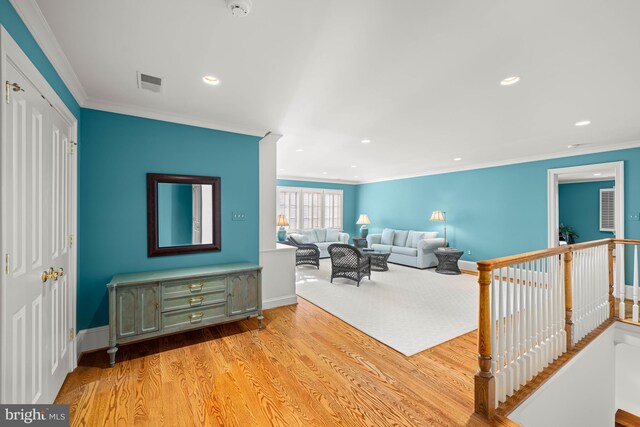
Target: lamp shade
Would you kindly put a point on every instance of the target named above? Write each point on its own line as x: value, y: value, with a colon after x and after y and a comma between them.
x: 437, y: 216
x: 363, y: 219
x: 282, y: 221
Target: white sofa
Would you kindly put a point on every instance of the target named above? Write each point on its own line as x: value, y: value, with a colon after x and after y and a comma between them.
x: 321, y: 237
x: 412, y: 248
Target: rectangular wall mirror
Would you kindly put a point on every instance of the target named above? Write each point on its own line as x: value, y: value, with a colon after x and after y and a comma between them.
x: 183, y: 214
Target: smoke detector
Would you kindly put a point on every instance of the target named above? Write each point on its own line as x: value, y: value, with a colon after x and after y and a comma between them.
x: 239, y: 7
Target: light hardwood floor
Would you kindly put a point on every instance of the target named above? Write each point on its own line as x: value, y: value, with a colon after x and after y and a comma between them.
x: 305, y: 368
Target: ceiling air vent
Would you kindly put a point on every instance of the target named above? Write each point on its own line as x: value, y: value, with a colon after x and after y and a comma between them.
x: 152, y: 83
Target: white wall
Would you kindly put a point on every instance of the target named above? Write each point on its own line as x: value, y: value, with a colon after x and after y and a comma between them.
x: 628, y: 368
x: 582, y: 393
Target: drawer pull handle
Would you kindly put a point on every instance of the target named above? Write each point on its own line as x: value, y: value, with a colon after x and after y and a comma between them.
x: 196, y: 286
x: 196, y: 300
x: 196, y: 317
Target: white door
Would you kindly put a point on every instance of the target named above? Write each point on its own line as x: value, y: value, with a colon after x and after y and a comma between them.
x: 35, y: 323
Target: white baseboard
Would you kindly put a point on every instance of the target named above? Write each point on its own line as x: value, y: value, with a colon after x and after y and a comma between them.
x: 279, y: 302
x: 468, y: 265
x: 92, y: 339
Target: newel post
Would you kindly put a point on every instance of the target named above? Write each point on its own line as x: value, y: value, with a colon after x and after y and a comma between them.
x: 568, y: 299
x: 484, y: 381
x: 612, y: 296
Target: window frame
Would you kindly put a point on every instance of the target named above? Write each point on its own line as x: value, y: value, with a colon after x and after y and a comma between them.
x: 300, y: 192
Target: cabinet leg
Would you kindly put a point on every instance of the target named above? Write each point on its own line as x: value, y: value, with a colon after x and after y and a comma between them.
x: 112, y: 355
x: 260, y: 317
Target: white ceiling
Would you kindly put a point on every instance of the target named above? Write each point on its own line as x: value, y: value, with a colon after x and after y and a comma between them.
x: 419, y: 78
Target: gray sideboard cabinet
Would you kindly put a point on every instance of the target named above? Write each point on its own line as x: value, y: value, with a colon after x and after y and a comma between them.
x: 152, y: 304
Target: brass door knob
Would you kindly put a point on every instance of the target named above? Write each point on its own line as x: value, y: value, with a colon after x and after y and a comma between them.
x: 45, y: 276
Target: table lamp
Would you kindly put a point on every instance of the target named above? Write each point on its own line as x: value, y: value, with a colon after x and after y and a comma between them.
x: 363, y: 220
x: 441, y: 216
x: 282, y: 223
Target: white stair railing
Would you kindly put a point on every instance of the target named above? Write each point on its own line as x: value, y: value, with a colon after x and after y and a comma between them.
x: 536, y: 306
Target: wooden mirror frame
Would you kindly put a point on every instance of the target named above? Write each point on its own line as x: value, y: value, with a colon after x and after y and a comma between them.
x: 153, y: 248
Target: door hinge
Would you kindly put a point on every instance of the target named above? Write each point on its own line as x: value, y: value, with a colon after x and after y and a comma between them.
x: 72, y: 334
x: 6, y: 263
x: 8, y: 86
x: 70, y: 240
x: 72, y: 145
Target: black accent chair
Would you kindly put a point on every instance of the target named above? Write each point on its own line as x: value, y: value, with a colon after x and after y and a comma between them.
x: 348, y: 262
x: 306, y: 253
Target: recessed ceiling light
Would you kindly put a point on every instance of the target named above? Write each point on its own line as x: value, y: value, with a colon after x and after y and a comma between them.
x: 355, y: 176
x: 324, y: 173
x: 281, y: 170
x: 457, y: 159
x: 211, y: 80
x: 597, y: 174
x: 354, y: 166
x: 583, y: 123
x: 366, y: 141
x: 299, y: 150
x: 510, y: 81
x: 573, y: 145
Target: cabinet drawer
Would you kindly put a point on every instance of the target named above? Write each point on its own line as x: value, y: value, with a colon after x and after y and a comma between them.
x: 190, y: 301
x: 192, y: 317
x: 193, y: 286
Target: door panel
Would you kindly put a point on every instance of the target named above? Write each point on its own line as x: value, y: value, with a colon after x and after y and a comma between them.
x: 252, y: 292
x: 26, y: 299
x: 126, y: 311
x: 236, y: 294
x: 36, y: 179
x: 148, y: 309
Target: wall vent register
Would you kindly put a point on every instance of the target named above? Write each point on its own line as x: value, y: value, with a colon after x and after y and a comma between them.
x: 149, y: 82
x: 607, y: 209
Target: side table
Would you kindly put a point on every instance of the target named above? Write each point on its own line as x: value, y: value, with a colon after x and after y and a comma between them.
x: 448, y: 260
x: 359, y: 242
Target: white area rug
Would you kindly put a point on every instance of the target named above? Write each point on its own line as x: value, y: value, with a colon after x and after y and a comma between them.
x: 409, y: 310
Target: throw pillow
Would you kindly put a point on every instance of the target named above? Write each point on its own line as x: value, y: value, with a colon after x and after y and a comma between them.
x: 333, y: 235
x: 430, y: 234
x: 321, y: 234
x: 410, y: 237
x: 310, y: 235
x: 400, y: 237
x: 416, y: 238
x: 387, y: 237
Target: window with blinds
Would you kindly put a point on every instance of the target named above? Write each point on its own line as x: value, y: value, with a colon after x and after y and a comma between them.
x: 288, y: 205
x: 307, y: 208
x: 607, y: 209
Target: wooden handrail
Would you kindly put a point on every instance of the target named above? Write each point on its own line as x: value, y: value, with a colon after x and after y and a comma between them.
x: 543, y: 253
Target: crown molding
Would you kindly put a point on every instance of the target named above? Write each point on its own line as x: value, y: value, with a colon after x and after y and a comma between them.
x: 131, y: 110
x: 328, y: 181
x: 558, y: 155
x: 32, y: 16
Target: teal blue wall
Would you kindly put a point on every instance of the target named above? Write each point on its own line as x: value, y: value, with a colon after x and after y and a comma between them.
x: 19, y: 32
x: 579, y: 207
x: 116, y: 154
x: 348, y: 199
x: 494, y: 211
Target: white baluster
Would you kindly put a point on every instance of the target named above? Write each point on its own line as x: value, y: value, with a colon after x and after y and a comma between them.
x: 545, y: 312
x: 620, y: 282
x: 561, y: 309
x: 522, y: 348
x: 528, y: 342
x: 634, y: 312
x: 509, y: 332
x: 494, y: 338
x: 500, y: 378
